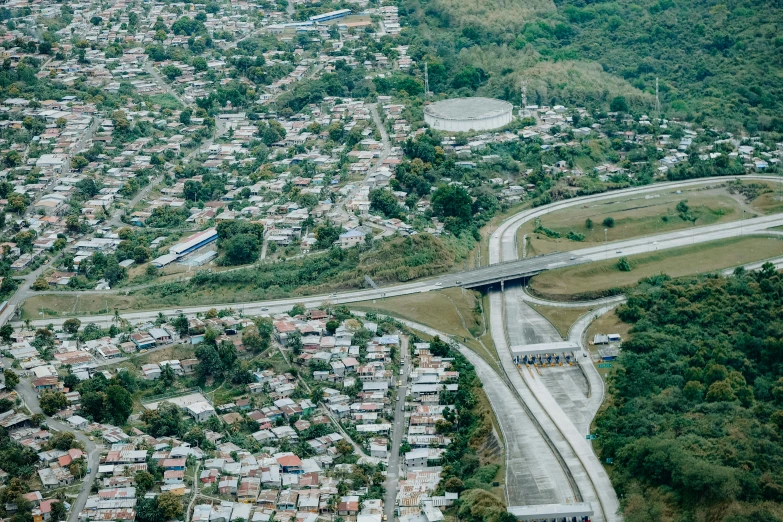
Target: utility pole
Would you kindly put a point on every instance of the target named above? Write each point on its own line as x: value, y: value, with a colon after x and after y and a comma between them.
x: 523, y: 112
x: 606, y: 252
x: 426, y: 81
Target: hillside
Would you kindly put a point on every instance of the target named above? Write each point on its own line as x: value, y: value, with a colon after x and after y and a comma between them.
x: 695, y: 421
x: 717, y: 63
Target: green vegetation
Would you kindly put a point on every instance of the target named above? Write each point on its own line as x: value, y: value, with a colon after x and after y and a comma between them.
x: 240, y: 241
x: 561, y: 318
x: 637, y: 216
x: 104, y: 400
x: 602, y: 278
x: 452, y: 311
x: 464, y: 470
x: 609, y: 55
x: 695, y: 427
x: 393, y: 260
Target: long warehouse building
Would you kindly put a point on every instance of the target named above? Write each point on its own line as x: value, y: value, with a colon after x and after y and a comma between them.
x: 194, y: 242
x: 331, y: 15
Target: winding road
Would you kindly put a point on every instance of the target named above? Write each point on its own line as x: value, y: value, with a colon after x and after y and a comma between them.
x: 29, y: 398
x: 548, y: 458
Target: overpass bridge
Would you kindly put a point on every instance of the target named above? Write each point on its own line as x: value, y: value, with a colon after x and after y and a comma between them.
x: 511, y: 270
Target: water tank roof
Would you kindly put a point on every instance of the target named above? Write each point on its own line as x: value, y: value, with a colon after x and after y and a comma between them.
x: 468, y: 108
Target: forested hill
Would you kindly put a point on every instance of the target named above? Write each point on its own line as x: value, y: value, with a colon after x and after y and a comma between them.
x: 719, y: 62
x: 695, y: 421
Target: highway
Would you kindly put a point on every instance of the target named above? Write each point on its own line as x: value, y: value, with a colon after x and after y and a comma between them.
x: 503, y: 241
x: 533, y: 473
x: 548, y: 457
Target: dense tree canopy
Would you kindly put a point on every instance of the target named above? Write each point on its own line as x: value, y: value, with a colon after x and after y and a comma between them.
x: 697, y: 410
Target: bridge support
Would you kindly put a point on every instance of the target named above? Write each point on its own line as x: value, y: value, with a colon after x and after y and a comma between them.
x: 502, y: 286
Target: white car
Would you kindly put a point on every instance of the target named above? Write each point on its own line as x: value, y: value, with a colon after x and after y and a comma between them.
x: 438, y: 284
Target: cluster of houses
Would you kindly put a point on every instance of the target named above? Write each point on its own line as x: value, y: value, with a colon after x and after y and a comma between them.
x: 431, y: 375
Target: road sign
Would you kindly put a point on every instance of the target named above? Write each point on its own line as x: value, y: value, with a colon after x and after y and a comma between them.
x: 591, y: 436
x: 605, y: 365
x: 609, y: 460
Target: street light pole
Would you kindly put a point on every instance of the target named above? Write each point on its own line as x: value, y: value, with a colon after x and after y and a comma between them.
x: 606, y: 253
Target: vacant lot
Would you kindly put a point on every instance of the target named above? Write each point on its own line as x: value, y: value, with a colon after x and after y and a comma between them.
x: 595, y: 278
x: 635, y: 216
x: 53, y: 305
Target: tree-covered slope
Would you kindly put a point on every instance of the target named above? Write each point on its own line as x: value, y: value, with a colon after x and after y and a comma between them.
x: 718, y: 62
x: 695, y: 421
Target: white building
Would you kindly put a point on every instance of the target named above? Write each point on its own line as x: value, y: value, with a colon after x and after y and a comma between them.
x: 200, y: 411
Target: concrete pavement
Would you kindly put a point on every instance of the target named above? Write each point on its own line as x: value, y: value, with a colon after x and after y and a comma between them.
x: 533, y: 474
x: 30, y: 399
x: 525, y: 325
x: 558, y: 444
x: 398, y: 430
x: 506, y: 270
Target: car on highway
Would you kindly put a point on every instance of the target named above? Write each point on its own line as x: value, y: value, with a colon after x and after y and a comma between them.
x: 265, y: 308
x: 458, y: 282
x: 572, y: 258
x: 399, y: 382
x: 438, y: 284
x: 332, y: 295
x: 619, y: 252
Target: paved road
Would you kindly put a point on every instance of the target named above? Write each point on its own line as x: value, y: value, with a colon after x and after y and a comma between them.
x: 499, y: 243
x: 533, y: 474
x: 152, y: 71
x: 525, y: 325
x: 86, y: 137
x: 30, y: 399
x: 507, y: 311
x: 196, y: 482
x: 398, y: 430
x: 370, y: 172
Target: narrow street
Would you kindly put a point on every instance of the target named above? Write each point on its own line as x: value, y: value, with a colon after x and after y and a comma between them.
x: 30, y: 399
x: 398, y: 430
x: 150, y: 68
x: 189, y: 508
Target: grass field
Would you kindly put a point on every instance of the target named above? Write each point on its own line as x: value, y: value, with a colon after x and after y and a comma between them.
x: 633, y: 217
x: 450, y: 311
x: 53, y: 305
x: 768, y: 203
x: 561, y: 318
x: 166, y: 101
x: 567, y: 283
